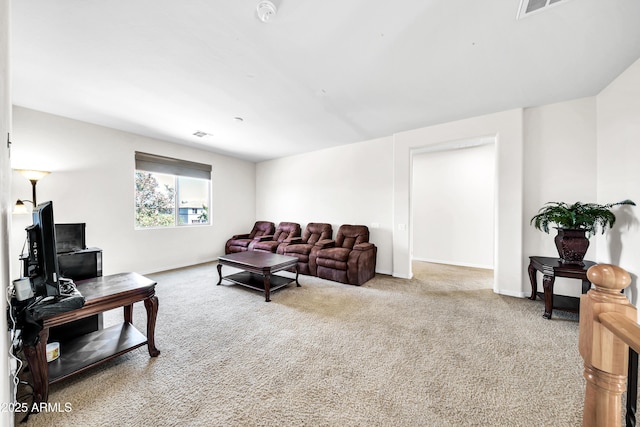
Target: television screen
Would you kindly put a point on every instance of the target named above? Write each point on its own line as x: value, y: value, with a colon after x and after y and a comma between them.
x: 43, y: 260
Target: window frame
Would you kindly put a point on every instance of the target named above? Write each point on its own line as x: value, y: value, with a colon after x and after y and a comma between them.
x: 176, y: 168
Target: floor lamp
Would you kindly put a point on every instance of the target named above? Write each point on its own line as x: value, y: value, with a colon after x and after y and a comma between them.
x: 34, y: 177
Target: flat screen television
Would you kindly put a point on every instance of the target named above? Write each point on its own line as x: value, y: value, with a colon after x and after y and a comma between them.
x: 43, y: 260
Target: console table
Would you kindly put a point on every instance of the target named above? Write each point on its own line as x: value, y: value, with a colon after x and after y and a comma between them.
x: 84, y: 352
x: 552, y: 268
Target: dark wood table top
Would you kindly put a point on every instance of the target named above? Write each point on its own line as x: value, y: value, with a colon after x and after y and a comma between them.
x: 549, y: 265
x: 256, y: 259
x: 105, y: 293
x: 112, y: 286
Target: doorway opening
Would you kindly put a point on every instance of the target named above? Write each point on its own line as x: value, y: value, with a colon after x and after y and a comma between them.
x: 453, y: 205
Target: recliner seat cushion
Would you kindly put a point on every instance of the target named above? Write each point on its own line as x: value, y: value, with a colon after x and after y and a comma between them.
x: 298, y: 249
x: 240, y: 242
x: 336, y: 254
x: 268, y: 246
x: 331, y: 263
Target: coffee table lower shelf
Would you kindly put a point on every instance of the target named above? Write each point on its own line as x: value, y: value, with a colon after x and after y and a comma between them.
x: 256, y: 281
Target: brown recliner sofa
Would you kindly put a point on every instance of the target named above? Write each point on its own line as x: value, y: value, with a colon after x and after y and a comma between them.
x: 302, y: 247
x: 350, y: 258
x: 245, y: 242
x: 285, y: 232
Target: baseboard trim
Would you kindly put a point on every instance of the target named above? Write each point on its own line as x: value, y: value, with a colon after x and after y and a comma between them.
x: 512, y: 293
x: 458, y: 264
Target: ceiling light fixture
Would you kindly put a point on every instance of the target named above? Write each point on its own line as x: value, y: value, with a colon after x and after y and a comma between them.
x: 266, y: 10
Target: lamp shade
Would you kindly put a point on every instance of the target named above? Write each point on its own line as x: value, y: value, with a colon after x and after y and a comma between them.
x: 20, y: 207
x: 32, y: 175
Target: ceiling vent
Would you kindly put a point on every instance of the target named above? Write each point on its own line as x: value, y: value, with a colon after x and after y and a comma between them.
x: 527, y: 7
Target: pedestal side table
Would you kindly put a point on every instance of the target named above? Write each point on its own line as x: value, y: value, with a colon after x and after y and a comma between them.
x: 552, y: 268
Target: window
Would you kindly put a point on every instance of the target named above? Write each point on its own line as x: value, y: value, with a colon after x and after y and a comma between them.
x: 171, y: 192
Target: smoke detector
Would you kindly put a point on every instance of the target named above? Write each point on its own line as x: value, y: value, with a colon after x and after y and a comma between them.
x: 266, y: 10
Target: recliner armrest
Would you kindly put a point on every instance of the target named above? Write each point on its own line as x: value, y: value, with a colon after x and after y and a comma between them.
x: 263, y: 238
x: 240, y: 236
x: 326, y: 243
x: 293, y: 240
x: 363, y: 246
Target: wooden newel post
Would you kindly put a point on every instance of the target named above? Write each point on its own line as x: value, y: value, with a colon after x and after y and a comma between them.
x: 605, y: 356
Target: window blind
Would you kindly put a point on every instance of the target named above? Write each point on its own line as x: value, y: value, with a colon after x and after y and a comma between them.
x: 167, y: 165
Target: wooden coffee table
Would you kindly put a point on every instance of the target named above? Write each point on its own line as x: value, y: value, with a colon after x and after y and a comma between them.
x: 258, y: 270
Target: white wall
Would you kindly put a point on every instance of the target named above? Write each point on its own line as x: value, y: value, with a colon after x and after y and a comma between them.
x: 92, y: 167
x: 618, y: 165
x: 506, y: 127
x: 349, y: 184
x: 6, y: 417
x: 531, y: 168
x: 453, y: 206
x: 92, y: 181
x: 559, y: 166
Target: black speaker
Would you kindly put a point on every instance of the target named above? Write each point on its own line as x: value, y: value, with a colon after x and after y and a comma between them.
x: 80, y: 265
x: 70, y: 237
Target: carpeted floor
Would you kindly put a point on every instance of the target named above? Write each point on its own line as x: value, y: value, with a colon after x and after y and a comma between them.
x: 439, y: 350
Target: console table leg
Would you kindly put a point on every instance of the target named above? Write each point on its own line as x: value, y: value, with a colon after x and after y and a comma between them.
x: 547, y: 283
x: 267, y: 286
x: 534, y: 282
x: 151, y: 305
x: 37, y: 360
x: 219, y: 274
x: 128, y: 313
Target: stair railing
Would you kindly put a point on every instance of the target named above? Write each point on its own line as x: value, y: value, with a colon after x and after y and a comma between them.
x: 609, y: 334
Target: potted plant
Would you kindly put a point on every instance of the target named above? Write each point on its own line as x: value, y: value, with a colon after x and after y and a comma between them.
x: 575, y: 224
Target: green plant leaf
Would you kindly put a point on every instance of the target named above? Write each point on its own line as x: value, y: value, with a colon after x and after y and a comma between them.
x: 591, y: 217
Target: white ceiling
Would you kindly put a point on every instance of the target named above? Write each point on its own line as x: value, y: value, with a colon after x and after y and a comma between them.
x: 319, y: 74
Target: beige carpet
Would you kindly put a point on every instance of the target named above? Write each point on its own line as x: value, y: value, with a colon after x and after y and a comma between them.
x: 439, y: 350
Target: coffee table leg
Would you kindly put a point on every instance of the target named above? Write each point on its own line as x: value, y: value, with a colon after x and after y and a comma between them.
x: 151, y: 304
x: 219, y: 273
x: 297, y: 283
x: 547, y: 283
x: 267, y: 286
